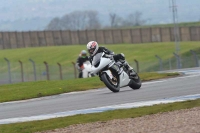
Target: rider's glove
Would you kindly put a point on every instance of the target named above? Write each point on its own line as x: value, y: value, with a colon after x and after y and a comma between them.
x: 122, y: 56
x: 78, y: 67
x: 82, y: 67
x: 109, y: 56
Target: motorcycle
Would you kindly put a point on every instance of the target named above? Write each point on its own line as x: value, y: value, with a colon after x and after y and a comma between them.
x: 113, y: 73
x: 87, y: 70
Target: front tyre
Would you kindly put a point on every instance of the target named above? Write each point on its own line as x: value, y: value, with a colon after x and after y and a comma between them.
x: 112, y: 84
x: 135, y: 82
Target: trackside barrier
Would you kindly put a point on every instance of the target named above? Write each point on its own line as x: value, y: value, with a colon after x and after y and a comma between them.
x: 75, y: 74
x: 195, y: 58
x: 137, y: 65
x: 22, y: 71
x: 34, y: 69
x: 9, y: 73
x: 47, y: 70
x: 178, y: 59
x: 60, y: 70
x: 160, y: 61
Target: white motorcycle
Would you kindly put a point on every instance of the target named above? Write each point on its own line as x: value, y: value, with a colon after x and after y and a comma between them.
x: 114, y: 74
x: 87, y: 70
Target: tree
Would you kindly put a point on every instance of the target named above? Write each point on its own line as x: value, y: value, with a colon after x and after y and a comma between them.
x: 93, y: 21
x: 115, y: 20
x: 78, y: 20
x: 66, y: 23
x: 134, y: 19
x: 74, y: 21
x: 54, y: 24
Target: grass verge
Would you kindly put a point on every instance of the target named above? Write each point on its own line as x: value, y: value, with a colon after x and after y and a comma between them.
x: 35, y: 126
x: 21, y: 91
x: 144, y: 53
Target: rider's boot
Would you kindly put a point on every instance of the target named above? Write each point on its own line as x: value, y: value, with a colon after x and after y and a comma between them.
x: 130, y: 69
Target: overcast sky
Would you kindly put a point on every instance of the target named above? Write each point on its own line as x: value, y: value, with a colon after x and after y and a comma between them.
x: 157, y: 10
x: 25, y: 15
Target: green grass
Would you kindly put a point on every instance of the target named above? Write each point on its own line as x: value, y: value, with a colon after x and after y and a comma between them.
x: 66, y: 54
x: 43, y: 125
x: 21, y: 91
x: 154, y: 76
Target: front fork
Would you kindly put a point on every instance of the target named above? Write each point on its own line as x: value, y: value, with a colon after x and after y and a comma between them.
x: 113, y: 67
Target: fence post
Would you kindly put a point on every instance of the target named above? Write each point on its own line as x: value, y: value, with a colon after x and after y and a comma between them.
x: 131, y: 34
x: 9, y: 74
x: 86, y: 34
x: 60, y: 69
x: 61, y: 37
x: 75, y: 75
x: 113, y: 40
x: 34, y: 69
x: 195, y: 57
x: 121, y: 33
x: 141, y: 36
x: 23, y: 39
x: 70, y: 35
x: 47, y: 70
x: 104, y: 37
x: 22, y: 71
x: 160, y: 61
x: 137, y: 65
x: 2, y: 40
x: 170, y: 64
x: 17, y: 45
x: 161, y: 35
x: 178, y: 60
x: 79, y: 39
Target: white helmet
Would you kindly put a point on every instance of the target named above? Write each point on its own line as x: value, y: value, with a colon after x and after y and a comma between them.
x: 92, y: 47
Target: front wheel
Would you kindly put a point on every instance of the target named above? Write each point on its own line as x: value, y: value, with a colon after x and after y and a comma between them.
x: 112, y: 84
x: 135, y: 82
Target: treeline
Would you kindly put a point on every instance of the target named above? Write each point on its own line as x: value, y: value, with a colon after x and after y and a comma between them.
x: 82, y: 20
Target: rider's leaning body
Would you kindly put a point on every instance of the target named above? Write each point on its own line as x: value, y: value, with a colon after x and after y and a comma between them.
x: 93, y: 49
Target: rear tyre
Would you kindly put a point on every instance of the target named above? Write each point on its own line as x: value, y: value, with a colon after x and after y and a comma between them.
x: 112, y: 84
x: 135, y: 82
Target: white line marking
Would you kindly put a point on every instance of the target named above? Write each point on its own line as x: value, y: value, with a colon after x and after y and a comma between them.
x: 100, y: 109
x: 175, y: 78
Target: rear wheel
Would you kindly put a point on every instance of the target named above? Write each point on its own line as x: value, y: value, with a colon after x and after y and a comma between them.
x: 112, y: 84
x: 135, y: 82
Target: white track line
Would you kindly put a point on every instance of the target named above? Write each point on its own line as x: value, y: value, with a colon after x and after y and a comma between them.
x: 100, y: 109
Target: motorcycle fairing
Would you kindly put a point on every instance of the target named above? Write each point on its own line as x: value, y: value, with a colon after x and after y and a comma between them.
x: 124, y: 79
x: 103, y: 63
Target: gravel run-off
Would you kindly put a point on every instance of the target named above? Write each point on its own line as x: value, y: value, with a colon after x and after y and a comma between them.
x: 180, y: 121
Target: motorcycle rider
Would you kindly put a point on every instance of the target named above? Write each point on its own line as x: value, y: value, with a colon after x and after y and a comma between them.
x: 80, y: 60
x: 93, y: 48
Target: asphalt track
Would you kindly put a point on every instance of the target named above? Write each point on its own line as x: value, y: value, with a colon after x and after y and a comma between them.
x: 153, y: 90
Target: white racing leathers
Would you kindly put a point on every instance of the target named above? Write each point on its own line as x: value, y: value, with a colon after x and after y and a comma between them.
x: 113, y: 74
